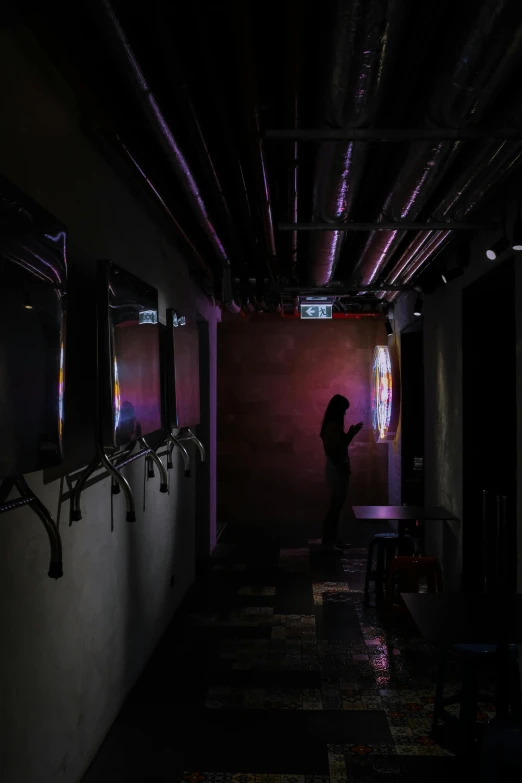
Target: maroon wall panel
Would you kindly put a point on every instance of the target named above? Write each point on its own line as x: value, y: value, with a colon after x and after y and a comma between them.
x: 275, y: 379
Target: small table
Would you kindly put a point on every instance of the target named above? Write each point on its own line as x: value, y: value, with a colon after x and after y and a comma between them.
x: 403, y: 514
x: 466, y: 618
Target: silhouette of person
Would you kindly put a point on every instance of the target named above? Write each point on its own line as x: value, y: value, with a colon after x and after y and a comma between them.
x: 335, y: 443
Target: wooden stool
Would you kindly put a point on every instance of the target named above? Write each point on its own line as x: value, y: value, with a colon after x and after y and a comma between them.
x: 405, y: 572
x: 387, y: 544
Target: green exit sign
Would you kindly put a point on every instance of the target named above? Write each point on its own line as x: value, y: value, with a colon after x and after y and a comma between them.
x: 316, y: 311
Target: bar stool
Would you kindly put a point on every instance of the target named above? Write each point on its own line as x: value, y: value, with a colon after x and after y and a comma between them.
x: 473, y: 657
x: 386, y: 544
x: 405, y: 573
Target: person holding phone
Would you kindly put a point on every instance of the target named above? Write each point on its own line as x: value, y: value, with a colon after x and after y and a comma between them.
x: 335, y: 443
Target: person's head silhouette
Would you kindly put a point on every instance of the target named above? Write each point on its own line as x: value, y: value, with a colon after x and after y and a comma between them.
x: 335, y: 412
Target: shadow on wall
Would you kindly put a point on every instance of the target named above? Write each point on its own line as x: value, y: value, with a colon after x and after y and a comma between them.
x: 275, y: 379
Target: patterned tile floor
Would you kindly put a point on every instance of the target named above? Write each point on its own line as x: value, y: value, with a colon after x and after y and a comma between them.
x: 323, y: 692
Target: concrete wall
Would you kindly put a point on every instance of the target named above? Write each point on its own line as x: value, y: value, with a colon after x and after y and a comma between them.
x: 72, y: 649
x: 444, y: 405
x: 275, y: 380
x: 402, y: 317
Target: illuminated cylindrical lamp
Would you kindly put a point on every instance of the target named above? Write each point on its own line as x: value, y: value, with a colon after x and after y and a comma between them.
x: 385, y: 393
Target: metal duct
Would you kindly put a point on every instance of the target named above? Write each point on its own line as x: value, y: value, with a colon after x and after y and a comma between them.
x: 461, y: 99
x: 491, y: 164
x: 167, y: 141
x: 493, y: 168
x: 294, y: 24
x: 240, y: 16
x: 360, y: 55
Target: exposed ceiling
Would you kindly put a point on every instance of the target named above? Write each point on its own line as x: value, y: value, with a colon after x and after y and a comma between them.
x: 183, y: 93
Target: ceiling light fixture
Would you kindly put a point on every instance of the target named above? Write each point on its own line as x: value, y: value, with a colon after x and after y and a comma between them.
x: 388, y: 327
x: 452, y: 274
x: 418, y: 306
x: 496, y: 250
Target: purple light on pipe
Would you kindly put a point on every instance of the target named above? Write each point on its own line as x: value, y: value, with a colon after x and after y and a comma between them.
x: 26, y: 265
x: 172, y: 148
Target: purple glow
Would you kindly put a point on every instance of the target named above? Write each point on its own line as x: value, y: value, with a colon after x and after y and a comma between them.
x: 171, y: 147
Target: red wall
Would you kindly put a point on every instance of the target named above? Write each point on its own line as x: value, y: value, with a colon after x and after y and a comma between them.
x: 275, y: 378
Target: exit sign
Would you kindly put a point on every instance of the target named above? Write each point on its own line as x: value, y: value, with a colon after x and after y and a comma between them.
x: 316, y: 311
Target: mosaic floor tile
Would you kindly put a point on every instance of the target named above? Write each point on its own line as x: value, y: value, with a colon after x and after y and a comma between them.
x: 312, y: 699
x: 331, y: 589
x: 402, y: 733
x: 371, y: 750
x: 422, y: 724
x: 406, y: 750
x: 409, y: 697
x: 353, y: 706
x: 337, y: 767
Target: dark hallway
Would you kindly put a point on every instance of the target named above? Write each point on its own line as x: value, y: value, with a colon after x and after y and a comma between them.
x: 271, y: 665
x: 260, y: 391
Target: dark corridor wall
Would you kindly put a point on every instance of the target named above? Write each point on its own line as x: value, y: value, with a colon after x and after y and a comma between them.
x: 275, y: 378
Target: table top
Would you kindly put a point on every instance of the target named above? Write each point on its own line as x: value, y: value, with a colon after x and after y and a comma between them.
x: 466, y: 618
x: 384, y: 513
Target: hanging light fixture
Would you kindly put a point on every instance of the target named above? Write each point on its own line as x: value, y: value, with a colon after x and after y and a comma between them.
x: 388, y: 326
x: 418, y: 306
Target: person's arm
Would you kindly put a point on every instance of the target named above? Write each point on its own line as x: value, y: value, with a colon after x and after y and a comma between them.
x: 352, y: 432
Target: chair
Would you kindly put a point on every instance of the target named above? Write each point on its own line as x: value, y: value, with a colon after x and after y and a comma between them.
x: 501, y: 755
x: 386, y: 544
x: 472, y: 658
x: 405, y: 574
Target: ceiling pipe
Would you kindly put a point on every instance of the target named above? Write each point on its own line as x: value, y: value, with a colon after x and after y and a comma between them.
x: 487, y: 57
x: 391, y: 134
x: 234, y: 169
x: 168, y: 143
x: 489, y: 167
x: 186, y: 109
x: 403, y: 225
x: 241, y: 20
x: 504, y: 162
x: 294, y: 63
x: 193, y: 250
x: 359, y: 64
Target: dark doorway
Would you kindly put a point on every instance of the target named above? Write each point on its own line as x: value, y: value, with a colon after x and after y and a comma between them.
x: 489, y: 537
x: 203, y: 478
x: 412, y: 441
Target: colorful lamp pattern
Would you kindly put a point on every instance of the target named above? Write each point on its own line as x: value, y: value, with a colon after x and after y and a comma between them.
x: 382, y: 393
x: 117, y: 396
x: 60, y: 394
